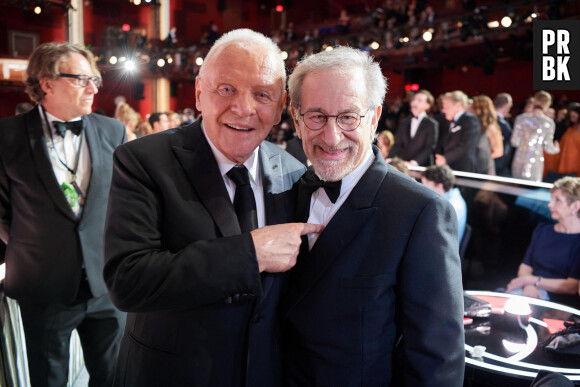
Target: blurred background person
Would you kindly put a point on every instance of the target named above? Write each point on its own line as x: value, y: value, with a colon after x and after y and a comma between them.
x: 458, y: 145
x: 129, y: 117
x: 503, y: 103
x: 385, y: 142
x: 441, y: 180
x: 491, y: 141
x: 23, y: 107
x: 533, y: 134
x: 569, y: 160
x: 551, y: 267
x: 159, y: 122
x: 174, y: 119
x: 417, y: 135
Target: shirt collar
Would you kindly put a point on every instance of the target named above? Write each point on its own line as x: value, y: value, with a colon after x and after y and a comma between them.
x: 52, y: 118
x: 226, y: 164
x: 456, y: 117
x: 420, y: 116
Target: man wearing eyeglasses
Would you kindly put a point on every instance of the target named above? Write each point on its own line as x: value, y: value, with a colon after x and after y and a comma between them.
x: 55, y: 172
x: 376, y: 298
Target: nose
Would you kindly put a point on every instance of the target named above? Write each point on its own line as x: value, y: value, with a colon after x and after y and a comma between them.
x: 92, y: 88
x: 243, y: 104
x: 331, y: 132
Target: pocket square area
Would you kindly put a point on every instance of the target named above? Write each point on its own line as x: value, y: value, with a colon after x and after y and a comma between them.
x: 455, y: 129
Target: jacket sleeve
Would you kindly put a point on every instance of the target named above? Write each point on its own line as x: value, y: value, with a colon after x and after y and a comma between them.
x: 431, y: 301
x: 143, y: 275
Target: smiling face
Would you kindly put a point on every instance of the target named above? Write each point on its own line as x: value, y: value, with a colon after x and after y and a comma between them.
x: 240, y: 96
x: 64, y: 99
x: 450, y: 108
x: 333, y: 152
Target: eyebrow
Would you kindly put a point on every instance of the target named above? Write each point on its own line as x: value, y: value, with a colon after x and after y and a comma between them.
x: 317, y: 109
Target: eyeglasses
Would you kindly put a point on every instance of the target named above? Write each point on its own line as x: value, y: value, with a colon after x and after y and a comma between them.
x: 82, y: 80
x: 346, y: 121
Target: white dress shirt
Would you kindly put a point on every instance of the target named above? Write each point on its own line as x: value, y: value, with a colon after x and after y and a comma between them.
x: 415, y: 122
x: 322, y: 209
x: 66, y: 149
x: 253, y: 166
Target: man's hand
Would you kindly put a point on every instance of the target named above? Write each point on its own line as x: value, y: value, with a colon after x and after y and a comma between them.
x: 440, y: 159
x: 277, y: 246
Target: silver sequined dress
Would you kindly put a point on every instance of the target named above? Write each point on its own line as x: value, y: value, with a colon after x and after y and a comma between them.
x: 533, y: 134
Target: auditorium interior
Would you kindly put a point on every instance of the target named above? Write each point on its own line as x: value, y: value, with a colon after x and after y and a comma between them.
x: 149, y: 52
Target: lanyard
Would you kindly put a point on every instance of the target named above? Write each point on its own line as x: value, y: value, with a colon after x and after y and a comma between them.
x: 73, y: 171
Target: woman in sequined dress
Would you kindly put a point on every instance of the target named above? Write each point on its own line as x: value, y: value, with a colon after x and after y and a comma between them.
x: 533, y: 134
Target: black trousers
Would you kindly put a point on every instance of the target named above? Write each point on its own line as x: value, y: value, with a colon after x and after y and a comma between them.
x: 48, y: 329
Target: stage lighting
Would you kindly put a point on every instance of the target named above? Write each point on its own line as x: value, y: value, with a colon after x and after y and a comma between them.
x: 506, y: 21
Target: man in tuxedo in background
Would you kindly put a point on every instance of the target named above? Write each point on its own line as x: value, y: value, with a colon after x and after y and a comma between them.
x: 55, y: 172
x: 417, y: 136
x: 503, y: 103
x: 376, y: 298
x: 183, y: 254
x: 458, y: 147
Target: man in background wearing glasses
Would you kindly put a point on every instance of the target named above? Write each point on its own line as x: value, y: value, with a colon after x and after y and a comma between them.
x: 55, y: 172
x: 376, y: 298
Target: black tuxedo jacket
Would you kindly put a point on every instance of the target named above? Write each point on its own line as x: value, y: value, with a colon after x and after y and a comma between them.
x: 459, y: 145
x: 419, y: 148
x: 46, y: 244
x: 200, y: 315
x: 502, y: 164
x: 386, y: 265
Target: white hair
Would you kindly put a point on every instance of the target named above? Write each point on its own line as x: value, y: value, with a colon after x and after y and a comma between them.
x: 342, y: 59
x: 246, y: 39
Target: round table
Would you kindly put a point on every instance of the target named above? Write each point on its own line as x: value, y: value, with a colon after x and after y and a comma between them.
x: 513, y: 353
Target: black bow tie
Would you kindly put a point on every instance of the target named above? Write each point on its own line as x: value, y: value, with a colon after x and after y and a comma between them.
x: 74, y: 126
x: 313, y: 182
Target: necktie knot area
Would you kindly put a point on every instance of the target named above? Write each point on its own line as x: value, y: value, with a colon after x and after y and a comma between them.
x: 239, y: 175
x: 74, y: 126
x: 244, y: 200
x: 313, y: 182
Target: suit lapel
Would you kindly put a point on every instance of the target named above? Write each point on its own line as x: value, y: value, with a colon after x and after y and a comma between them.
x: 200, y: 166
x: 274, y: 205
x: 41, y: 159
x: 94, y: 144
x: 354, y: 214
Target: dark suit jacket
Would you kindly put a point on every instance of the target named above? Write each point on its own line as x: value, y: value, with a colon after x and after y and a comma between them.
x: 460, y: 143
x: 502, y: 164
x: 386, y: 265
x: 200, y: 315
x: 419, y: 148
x: 46, y: 244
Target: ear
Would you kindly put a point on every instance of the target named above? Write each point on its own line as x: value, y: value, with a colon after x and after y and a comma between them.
x: 46, y: 84
x: 198, y: 93
x: 296, y: 122
x: 375, y: 119
x: 575, y: 206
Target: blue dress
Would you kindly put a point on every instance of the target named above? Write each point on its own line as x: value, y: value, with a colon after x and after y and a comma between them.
x: 552, y: 254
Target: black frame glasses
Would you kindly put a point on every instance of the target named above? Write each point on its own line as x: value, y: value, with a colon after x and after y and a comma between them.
x: 82, y: 80
x: 317, y: 120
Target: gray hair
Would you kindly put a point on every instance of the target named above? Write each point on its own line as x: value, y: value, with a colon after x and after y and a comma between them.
x: 343, y: 59
x: 247, y: 39
x: 457, y: 96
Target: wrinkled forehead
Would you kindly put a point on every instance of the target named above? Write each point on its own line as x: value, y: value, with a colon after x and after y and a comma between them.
x: 255, y: 59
